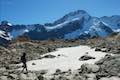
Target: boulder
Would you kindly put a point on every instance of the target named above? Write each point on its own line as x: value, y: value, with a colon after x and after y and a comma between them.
x: 28, y: 76
x: 49, y: 56
x: 105, y: 49
x: 114, y: 78
x: 88, y: 68
x: 33, y: 64
x: 118, y: 75
x: 104, y: 78
x: 60, y: 78
x: 90, y: 76
x: 97, y: 49
x: 3, y: 78
x: 110, y: 65
x: 14, y: 76
x: 91, y: 79
x: 111, y: 78
x: 6, y: 73
x: 78, y: 78
x: 86, y: 57
x: 40, y: 77
x: 58, y: 71
x: 3, y: 69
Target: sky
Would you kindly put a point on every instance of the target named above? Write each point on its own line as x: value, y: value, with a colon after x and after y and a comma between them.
x: 46, y: 11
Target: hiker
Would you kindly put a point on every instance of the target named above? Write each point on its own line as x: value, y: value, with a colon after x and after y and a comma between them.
x: 23, y: 60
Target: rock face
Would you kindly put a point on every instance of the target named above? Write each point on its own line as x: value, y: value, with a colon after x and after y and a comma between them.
x: 110, y: 65
x: 88, y: 68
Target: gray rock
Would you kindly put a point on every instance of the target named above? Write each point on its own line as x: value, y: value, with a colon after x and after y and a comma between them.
x: 40, y: 77
x: 87, y: 68
x: 97, y: 49
x: 90, y: 76
x: 86, y: 57
x: 29, y: 76
x: 111, y: 78
x: 33, y: 64
x: 110, y: 65
x: 5, y: 73
x: 3, y: 69
x: 60, y: 78
x: 3, y: 78
x: 14, y: 76
x: 114, y: 78
x: 78, y: 78
x: 105, y: 78
x: 49, y: 56
x: 58, y: 71
x: 118, y: 75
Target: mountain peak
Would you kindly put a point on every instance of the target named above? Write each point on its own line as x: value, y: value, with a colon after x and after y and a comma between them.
x: 5, y: 26
x: 73, y: 15
x: 78, y: 12
x: 5, y: 23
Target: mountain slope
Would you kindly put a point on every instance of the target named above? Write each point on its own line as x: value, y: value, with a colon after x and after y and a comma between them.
x: 5, y: 38
x: 77, y: 24
x: 113, y: 21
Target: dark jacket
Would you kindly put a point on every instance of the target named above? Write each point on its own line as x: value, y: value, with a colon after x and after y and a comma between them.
x: 23, y: 59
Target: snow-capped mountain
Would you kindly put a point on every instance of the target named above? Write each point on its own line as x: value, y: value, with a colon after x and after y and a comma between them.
x: 5, y: 35
x: 5, y: 38
x: 113, y: 21
x: 6, y: 26
x: 77, y: 24
x: 73, y: 16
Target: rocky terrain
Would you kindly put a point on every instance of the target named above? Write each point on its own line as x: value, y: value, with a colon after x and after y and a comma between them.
x: 107, y: 68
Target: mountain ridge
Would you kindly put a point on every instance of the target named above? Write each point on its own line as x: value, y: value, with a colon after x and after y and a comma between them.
x: 74, y: 25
